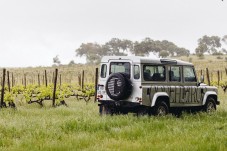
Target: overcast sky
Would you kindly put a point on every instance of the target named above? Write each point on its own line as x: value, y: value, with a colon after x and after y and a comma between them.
x: 32, y: 32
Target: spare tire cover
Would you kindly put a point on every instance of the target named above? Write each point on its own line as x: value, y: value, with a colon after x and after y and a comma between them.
x: 118, y: 86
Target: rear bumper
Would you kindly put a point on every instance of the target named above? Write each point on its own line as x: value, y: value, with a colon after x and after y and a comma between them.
x: 119, y: 103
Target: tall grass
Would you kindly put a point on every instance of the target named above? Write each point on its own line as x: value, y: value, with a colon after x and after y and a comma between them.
x: 79, y: 127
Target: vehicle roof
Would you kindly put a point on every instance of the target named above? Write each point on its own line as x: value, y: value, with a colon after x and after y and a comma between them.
x: 138, y: 59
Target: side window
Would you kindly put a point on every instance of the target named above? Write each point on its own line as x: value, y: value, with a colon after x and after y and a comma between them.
x: 154, y: 73
x: 103, y: 70
x: 136, y: 72
x: 174, y: 74
x: 189, y: 74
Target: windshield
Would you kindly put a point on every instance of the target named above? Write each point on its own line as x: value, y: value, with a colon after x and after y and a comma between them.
x: 120, y: 67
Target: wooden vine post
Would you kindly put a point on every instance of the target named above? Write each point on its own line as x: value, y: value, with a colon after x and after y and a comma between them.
x: 12, y: 81
x: 25, y: 81
x: 218, y: 77
x: 8, y: 81
x: 55, y: 86
x: 79, y: 80
x: 38, y: 79
x: 208, y: 76
x: 221, y: 75
x: 45, y: 74
x: 82, y: 83
x: 96, y: 83
x: 3, y: 88
x: 60, y: 79
x: 43, y: 80
x: 53, y: 78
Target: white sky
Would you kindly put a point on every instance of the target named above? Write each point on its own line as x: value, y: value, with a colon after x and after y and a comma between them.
x: 32, y: 32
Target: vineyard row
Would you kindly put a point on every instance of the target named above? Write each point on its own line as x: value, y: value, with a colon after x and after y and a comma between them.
x: 55, y: 90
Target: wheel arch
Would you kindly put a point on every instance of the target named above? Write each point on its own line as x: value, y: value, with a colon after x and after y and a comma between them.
x: 210, y: 94
x: 160, y: 96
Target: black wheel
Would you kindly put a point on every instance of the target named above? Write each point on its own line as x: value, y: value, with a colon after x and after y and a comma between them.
x: 106, y: 110
x: 210, y: 105
x: 118, y: 86
x: 161, y: 109
x: 103, y: 109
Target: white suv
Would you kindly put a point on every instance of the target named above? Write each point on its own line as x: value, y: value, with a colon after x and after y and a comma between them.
x: 154, y: 86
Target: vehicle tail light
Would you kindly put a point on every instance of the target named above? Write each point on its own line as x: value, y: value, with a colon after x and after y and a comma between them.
x: 99, y: 96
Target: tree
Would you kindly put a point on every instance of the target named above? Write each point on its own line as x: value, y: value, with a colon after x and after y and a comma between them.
x: 148, y: 46
x: 224, y: 39
x: 71, y: 63
x: 118, y: 47
x: 163, y: 54
x: 208, y: 44
x: 56, y: 60
x: 92, y: 51
x: 121, y: 47
x: 145, y: 47
x: 201, y: 49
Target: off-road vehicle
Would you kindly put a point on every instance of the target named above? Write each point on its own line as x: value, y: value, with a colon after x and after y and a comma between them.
x: 149, y: 85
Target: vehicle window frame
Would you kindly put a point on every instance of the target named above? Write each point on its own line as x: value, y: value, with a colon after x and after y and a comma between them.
x: 193, y: 68
x: 180, y: 73
x: 154, y: 65
x: 134, y: 72
x: 120, y: 72
x: 102, y: 70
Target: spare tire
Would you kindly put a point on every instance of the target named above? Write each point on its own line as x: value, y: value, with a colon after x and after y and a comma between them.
x: 118, y: 86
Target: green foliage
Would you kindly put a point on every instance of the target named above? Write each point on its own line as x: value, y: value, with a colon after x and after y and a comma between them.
x: 9, y: 97
x: 45, y: 92
x: 18, y: 89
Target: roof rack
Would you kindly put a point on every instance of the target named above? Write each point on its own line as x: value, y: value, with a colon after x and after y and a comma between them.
x: 168, y: 61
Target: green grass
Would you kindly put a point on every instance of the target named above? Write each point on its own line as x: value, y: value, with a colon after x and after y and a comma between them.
x: 79, y: 127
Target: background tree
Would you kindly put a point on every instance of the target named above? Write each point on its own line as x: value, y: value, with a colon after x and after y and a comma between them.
x: 118, y: 47
x: 71, y: 63
x: 208, y: 44
x: 148, y: 46
x: 144, y: 47
x: 224, y: 39
x: 201, y: 49
x: 163, y: 54
x: 56, y: 60
x: 92, y: 51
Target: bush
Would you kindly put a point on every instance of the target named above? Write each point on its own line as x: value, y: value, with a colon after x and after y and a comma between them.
x: 201, y: 56
x: 217, y: 53
x: 219, y: 57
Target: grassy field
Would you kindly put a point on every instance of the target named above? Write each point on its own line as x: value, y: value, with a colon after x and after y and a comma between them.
x: 79, y: 126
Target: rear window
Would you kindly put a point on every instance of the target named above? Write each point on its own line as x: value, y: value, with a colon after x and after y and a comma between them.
x: 116, y: 67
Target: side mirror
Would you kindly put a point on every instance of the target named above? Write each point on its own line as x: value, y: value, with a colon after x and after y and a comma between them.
x: 202, y: 79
